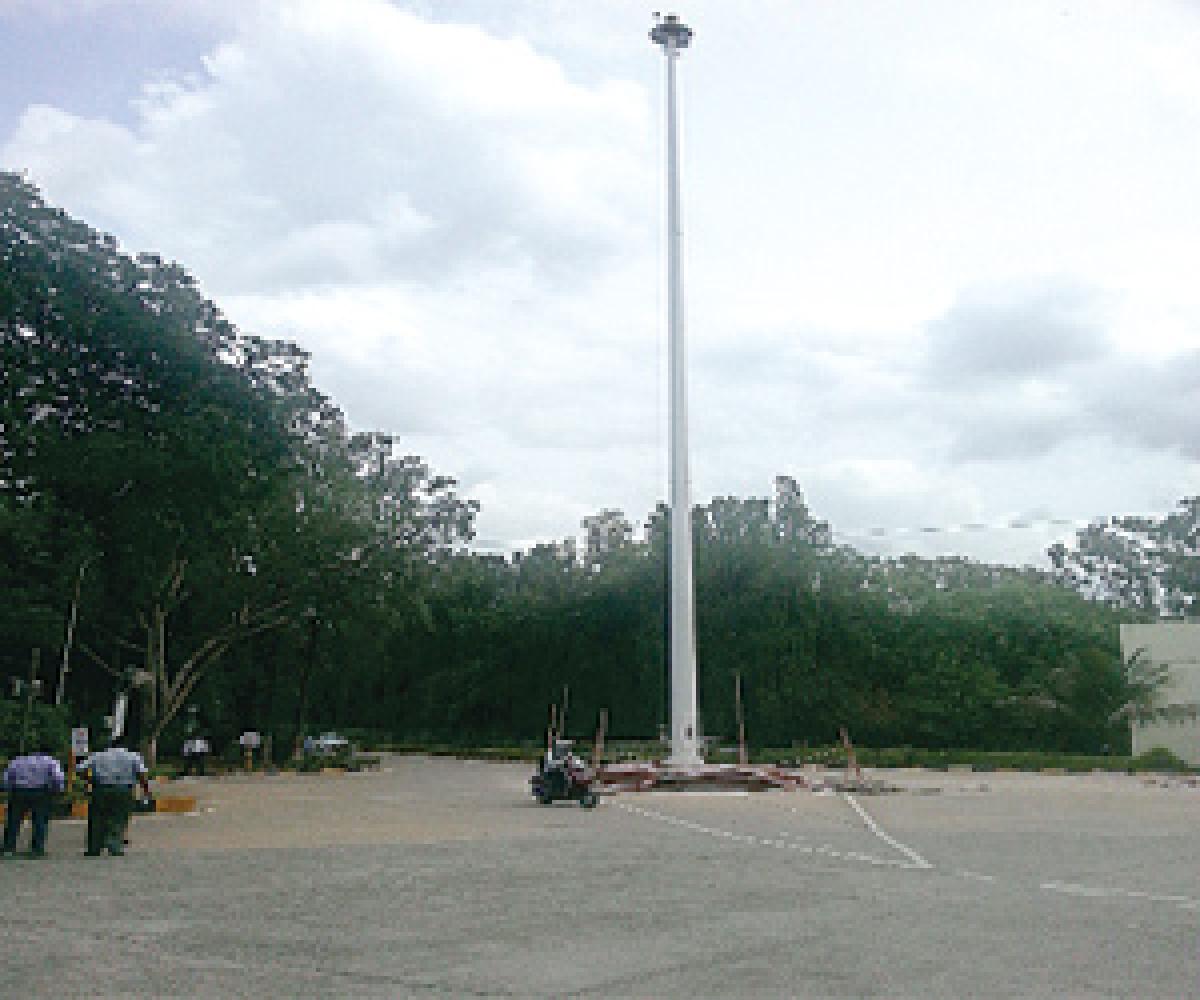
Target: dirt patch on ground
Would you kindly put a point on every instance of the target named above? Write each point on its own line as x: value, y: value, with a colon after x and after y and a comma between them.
x: 411, y: 799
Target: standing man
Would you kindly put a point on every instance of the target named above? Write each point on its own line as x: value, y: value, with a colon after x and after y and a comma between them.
x: 114, y: 772
x: 201, y: 750
x: 195, y: 752
x: 31, y: 781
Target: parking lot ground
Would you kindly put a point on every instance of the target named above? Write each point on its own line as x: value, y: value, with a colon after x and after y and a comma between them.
x: 441, y: 878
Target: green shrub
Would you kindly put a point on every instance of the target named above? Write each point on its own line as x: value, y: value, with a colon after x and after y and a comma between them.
x: 978, y: 760
x: 363, y: 762
x: 1158, y: 759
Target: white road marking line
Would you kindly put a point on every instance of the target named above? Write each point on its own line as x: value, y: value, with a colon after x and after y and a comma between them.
x: 874, y: 827
x: 745, y: 838
x: 977, y: 876
x: 915, y: 862
x: 1109, y: 892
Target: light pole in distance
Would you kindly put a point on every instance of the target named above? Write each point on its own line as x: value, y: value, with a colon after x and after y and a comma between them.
x: 674, y: 36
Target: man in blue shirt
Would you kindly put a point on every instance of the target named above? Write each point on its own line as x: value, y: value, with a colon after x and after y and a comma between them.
x: 31, y: 781
x: 113, y: 772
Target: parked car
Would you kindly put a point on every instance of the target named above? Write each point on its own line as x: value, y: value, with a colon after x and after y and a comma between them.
x: 327, y: 744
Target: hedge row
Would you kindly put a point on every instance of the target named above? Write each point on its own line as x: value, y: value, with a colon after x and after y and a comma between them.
x: 1158, y: 759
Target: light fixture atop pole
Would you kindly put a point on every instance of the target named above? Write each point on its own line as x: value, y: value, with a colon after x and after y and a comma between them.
x: 673, y: 35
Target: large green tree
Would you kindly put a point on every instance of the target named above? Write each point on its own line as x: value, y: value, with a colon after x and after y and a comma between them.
x: 177, y: 497
x: 1150, y: 564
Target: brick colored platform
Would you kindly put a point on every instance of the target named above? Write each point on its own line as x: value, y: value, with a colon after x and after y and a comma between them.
x: 644, y: 776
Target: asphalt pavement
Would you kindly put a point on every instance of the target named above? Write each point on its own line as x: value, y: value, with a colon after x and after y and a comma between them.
x: 442, y: 878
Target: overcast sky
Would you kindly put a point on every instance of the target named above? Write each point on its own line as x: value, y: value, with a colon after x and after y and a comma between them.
x: 941, y: 257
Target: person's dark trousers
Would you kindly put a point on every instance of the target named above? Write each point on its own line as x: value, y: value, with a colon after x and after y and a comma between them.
x: 108, y: 814
x: 189, y: 764
x: 36, y: 802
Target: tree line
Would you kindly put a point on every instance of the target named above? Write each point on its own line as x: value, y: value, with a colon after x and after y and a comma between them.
x: 185, y: 516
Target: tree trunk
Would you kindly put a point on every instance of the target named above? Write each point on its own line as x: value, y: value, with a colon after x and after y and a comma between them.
x: 272, y: 701
x: 153, y: 686
x: 69, y: 641
x: 305, y: 677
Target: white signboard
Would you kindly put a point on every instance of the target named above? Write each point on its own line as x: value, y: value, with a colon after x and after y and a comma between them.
x: 79, y: 741
x: 251, y: 740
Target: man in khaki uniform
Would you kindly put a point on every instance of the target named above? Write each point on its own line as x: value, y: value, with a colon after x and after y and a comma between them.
x: 114, y: 772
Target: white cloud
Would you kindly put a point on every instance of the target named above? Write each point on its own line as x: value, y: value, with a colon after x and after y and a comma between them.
x: 354, y: 141
x: 934, y: 255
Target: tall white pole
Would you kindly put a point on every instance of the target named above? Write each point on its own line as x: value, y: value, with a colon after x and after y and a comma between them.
x: 673, y: 35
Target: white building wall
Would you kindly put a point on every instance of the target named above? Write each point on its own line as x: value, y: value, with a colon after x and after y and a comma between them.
x: 1177, y: 647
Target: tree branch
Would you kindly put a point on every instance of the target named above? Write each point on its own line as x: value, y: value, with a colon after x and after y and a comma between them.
x: 182, y: 688
x: 137, y: 648
x: 88, y: 651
